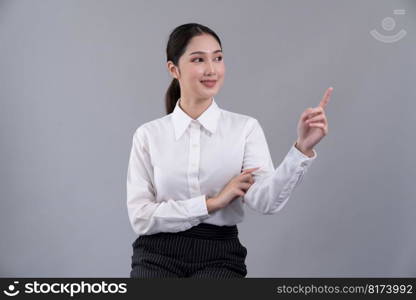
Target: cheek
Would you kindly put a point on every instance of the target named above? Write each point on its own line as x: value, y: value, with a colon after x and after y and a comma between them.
x: 191, y: 79
x: 196, y: 74
x: 221, y: 71
x: 191, y: 72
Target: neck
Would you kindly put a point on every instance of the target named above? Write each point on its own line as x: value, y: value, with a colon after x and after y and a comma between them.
x: 194, y: 107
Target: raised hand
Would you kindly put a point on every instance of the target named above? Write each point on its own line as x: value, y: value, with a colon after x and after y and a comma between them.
x: 313, y: 125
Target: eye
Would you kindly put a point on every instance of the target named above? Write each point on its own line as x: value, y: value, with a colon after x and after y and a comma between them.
x: 219, y: 58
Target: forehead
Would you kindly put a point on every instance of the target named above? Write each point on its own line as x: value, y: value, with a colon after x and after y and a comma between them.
x: 205, y: 43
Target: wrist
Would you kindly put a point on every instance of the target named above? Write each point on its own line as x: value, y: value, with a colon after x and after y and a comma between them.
x: 212, y: 204
x: 306, y: 151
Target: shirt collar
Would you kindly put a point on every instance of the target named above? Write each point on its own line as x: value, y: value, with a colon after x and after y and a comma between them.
x: 208, y: 119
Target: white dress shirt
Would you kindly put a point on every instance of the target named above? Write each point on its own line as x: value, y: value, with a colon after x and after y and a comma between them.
x: 176, y: 163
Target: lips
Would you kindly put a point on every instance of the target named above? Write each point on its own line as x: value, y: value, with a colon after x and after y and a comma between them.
x: 208, y: 83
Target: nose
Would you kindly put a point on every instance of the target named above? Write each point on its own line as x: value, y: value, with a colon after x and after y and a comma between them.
x: 210, y: 68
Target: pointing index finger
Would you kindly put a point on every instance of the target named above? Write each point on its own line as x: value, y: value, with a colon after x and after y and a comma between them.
x: 325, y: 98
x: 250, y: 170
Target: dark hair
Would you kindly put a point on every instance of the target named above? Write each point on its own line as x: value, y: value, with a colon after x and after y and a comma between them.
x: 176, y: 46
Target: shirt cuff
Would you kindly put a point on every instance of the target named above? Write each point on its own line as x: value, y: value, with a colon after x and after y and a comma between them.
x: 197, y: 207
x: 300, y: 156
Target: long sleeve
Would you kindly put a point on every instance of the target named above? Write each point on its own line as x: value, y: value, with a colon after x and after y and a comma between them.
x: 145, y: 214
x: 272, y: 187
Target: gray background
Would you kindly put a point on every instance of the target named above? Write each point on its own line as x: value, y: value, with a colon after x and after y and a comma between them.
x: 78, y: 77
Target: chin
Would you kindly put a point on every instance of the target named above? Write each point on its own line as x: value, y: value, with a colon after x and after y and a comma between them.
x: 208, y: 95
x: 205, y: 94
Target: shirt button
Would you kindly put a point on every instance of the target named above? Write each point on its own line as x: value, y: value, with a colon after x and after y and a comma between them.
x: 303, y: 164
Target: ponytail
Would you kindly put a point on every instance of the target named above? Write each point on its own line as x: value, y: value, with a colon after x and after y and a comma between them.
x: 172, y: 95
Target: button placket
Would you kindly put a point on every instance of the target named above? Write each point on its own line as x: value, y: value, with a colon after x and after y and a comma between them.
x: 194, y: 157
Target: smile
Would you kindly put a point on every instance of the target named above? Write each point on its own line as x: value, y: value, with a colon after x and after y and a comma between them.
x: 209, y: 83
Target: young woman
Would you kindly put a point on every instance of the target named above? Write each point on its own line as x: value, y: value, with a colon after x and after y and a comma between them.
x: 191, y: 171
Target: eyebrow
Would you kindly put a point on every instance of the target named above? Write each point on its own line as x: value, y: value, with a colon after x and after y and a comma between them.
x: 200, y: 52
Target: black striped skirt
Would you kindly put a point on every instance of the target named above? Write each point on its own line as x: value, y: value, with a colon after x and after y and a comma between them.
x: 203, y: 251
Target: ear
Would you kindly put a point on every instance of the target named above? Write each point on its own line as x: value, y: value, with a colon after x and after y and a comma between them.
x: 173, y: 70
